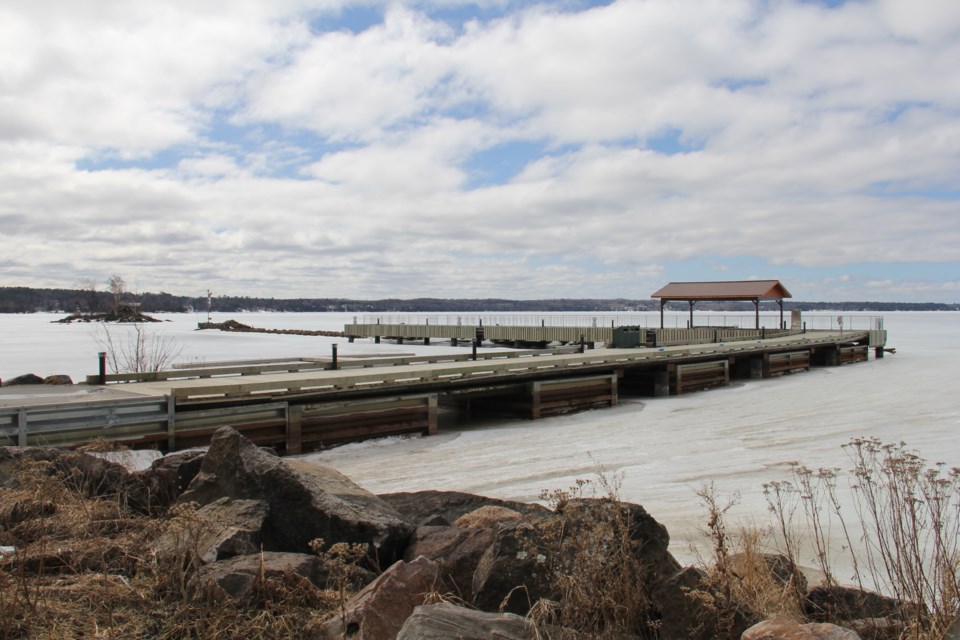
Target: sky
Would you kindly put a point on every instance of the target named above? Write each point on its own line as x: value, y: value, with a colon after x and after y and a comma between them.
x: 447, y: 148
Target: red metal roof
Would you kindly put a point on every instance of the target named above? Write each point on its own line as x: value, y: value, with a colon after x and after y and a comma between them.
x: 735, y: 290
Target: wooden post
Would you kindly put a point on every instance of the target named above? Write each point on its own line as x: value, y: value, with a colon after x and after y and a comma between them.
x: 171, y: 423
x: 333, y: 364
x: 22, y: 427
x: 614, y: 386
x: 432, y: 413
x: 294, y: 430
x: 535, y: 400
x: 102, y: 368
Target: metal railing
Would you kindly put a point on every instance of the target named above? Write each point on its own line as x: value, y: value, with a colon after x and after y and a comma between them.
x: 651, y: 320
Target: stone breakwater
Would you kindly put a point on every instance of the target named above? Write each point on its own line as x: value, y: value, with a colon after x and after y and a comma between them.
x: 233, y: 325
x: 424, y: 565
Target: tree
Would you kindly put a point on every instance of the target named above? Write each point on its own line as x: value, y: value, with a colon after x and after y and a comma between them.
x: 118, y: 287
x: 135, y: 349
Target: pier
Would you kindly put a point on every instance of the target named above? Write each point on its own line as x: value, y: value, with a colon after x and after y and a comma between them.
x: 302, y: 404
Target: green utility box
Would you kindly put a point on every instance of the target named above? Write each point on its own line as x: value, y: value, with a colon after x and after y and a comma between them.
x: 627, y: 337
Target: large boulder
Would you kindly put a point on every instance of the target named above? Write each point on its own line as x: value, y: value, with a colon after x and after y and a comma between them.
x: 58, y: 379
x: 423, y: 507
x: 790, y: 630
x: 380, y: 609
x: 321, y: 503
x: 457, y: 551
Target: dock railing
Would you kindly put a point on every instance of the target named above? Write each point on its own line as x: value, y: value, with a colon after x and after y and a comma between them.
x: 651, y: 320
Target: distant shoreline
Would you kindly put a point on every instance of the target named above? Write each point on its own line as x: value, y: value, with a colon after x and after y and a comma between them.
x: 67, y: 301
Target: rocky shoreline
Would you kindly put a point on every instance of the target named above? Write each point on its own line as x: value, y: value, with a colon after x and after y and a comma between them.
x: 237, y: 524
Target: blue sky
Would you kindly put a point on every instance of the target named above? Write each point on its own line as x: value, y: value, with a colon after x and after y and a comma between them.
x: 500, y: 149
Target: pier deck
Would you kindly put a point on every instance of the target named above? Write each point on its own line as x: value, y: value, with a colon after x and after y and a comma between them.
x: 293, y: 410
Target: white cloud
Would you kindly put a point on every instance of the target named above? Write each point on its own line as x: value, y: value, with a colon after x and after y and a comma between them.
x: 346, y: 165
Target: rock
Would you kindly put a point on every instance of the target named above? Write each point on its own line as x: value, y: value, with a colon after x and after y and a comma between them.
x: 685, y: 602
x: 651, y: 537
x: 321, y: 503
x: 380, y: 609
x: 58, y: 379
x: 511, y: 575
x: 418, y: 507
x: 789, y: 630
x: 457, y: 551
x: 170, y: 475
x: 27, y: 378
x: 487, y: 517
x: 833, y: 602
x: 444, y: 621
x: 237, y: 577
x: 222, y: 529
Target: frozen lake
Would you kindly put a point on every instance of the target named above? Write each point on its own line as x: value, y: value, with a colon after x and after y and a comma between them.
x: 666, y: 448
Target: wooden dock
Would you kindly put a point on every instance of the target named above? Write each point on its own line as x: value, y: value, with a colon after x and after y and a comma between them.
x: 307, y: 404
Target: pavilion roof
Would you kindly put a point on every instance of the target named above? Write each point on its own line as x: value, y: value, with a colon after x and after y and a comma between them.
x: 730, y: 290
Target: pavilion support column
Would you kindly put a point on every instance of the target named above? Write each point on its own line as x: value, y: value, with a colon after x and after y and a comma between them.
x: 691, y: 314
x: 662, y: 303
x: 756, y: 311
x: 780, y: 302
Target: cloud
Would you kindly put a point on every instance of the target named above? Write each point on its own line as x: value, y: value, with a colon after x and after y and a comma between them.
x: 518, y: 150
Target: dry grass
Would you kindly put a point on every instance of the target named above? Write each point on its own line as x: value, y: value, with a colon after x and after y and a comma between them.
x: 84, y: 566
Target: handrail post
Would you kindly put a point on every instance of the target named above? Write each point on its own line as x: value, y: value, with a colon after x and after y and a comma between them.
x: 333, y: 364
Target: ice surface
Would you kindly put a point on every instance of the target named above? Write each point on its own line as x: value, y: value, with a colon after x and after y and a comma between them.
x: 666, y: 448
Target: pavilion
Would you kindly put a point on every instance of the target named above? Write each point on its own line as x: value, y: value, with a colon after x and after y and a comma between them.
x: 745, y: 290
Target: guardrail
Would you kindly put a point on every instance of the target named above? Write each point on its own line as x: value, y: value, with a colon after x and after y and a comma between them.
x: 74, y: 423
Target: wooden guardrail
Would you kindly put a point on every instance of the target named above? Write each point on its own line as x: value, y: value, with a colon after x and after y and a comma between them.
x: 74, y: 423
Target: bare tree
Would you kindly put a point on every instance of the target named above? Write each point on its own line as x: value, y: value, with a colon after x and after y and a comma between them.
x: 118, y: 287
x: 88, y: 295
x: 135, y: 349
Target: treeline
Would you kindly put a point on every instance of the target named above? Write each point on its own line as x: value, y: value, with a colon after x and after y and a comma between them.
x: 29, y: 300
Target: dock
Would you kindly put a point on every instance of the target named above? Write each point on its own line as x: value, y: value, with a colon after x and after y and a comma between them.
x: 305, y: 404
